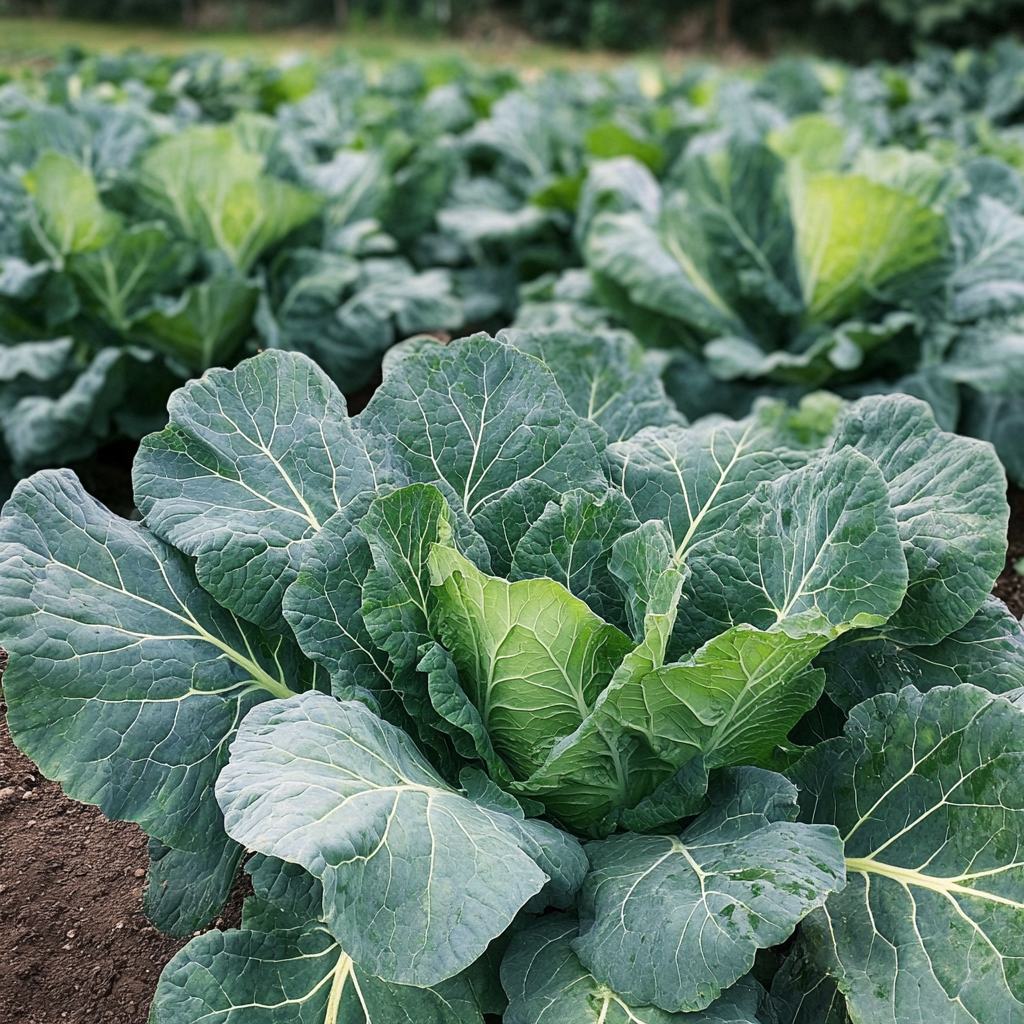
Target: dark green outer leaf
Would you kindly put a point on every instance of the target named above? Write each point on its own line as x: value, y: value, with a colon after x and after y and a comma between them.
x: 126, y: 681
x: 927, y: 791
x: 949, y: 496
x: 417, y: 878
x: 255, y: 461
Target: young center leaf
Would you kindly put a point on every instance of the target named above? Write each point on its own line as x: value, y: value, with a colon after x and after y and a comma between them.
x: 417, y: 878
x: 926, y: 792
x: 674, y: 920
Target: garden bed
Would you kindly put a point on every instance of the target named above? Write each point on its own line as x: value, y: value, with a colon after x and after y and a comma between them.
x: 80, y: 949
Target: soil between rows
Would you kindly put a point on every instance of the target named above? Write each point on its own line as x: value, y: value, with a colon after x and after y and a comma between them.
x: 75, y: 946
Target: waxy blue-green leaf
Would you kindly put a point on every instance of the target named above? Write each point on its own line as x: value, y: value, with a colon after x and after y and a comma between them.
x: 949, y: 497
x: 294, y: 977
x: 127, y: 680
x: 547, y: 984
x: 673, y: 921
x: 638, y: 561
x: 254, y: 462
x: 417, y: 878
x: 572, y: 543
x: 185, y: 890
x: 987, y: 652
x: 802, y: 995
x: 323, y: 608
x: 492, y: 424
x: 926, y: 791
x: 815, y: 551
x: 606, y: 377
x: 531, y: 657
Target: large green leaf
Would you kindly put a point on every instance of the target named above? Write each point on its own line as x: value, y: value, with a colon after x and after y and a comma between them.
x: 572, y: 543
x: 926, y: 791
x: 949, y: 496
x: 988, y: 652
x: 673, y: 921
x: 491, y: 425
x: 204, y: 325
x: 856, y: 238
x: 606, y: 377
x: 417, y: 878
x: 121, y: 277
x: 216, y: 191
x: 531, y: 657
x: 70, y: 214
x: 817, y: 550
x: 294, y: 977
x: 127, y: 681
x: 547, y: 984
x: 731, y: 702
x: 254, y: 462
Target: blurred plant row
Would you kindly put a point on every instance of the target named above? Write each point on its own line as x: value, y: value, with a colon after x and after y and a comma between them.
x: 809, y: 226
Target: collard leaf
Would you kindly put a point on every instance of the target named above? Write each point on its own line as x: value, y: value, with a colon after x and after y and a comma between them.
x: 492, y: 424
x: 204, y: 325
x: 323, y: 608
x: 121, y: 278
x: 606, y: 377
x: 216, y: 191
x: 547, y: 984
x: 856, y: 238
x: 254, y: 462
x: 127, y: 681
x: 281, y: 977
x: 531, y: 657
x: 949, y: 497
x: 731, y: 702
x: 330, y: 786
x: 987, y: 652
x: 638, y: 561
x: 68, y: 205
x: 185, y: 890
x: 815, y: 551
x: 673, y: 921
x: 572, y: 543
x: 988, y: 244
x: 926, y: 792
x: 801, y: 995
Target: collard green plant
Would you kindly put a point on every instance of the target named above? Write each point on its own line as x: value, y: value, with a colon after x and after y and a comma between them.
x: 529, y: 699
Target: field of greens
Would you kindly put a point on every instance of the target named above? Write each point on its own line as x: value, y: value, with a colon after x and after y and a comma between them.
x: 629, y: 659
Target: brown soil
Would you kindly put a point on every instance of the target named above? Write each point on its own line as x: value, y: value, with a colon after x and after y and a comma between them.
x: 75, y: 946
x: 1010, y: 585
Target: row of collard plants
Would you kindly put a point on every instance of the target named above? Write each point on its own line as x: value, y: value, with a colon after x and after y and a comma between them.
x: 809, y: 226
x: 536, y: 704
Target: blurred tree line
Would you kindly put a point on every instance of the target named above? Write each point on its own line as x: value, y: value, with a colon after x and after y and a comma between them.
x: 853, y: 28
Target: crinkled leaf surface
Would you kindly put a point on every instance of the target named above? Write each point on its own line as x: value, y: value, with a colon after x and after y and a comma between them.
x: 672, y: 921
x: 949, y: 496
x: 531, y: 657
x: 817, y: 550
x: 254, y: 462
x: 491, y: 423
x: 572, y: 543
x: 926, y: 791
x: 606, y: 377
x: 417, y: 878
x: 126, y: 681
x: 987, y: 652
x: 547, y: 984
